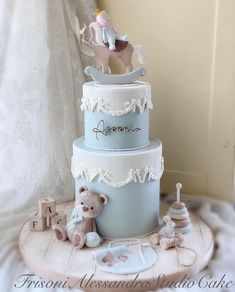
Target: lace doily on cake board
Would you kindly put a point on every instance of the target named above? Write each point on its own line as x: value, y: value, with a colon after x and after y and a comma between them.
x: 58, y: 260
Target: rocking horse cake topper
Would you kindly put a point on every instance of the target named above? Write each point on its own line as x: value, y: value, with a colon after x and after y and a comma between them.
x: 103, y: 40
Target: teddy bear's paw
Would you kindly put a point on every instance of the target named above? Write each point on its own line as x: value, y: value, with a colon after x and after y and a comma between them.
x: 79, y: 240
x: 60, y: 232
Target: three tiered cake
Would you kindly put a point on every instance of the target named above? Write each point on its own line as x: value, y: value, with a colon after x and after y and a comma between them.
x: 117, y: 158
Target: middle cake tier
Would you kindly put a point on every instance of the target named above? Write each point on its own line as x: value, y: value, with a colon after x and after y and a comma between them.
x: 130, y: 180
x: 116, y: 116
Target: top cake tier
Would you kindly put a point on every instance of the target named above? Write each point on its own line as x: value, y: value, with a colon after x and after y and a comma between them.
x: 116, y: 116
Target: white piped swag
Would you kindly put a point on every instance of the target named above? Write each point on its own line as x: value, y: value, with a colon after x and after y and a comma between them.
x: 127, y: 258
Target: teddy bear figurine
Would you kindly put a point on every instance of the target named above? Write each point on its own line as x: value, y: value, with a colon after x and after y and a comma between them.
x: 81, y: 229
x: 109, y: 34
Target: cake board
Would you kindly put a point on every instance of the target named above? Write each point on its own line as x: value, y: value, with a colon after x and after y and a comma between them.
x: 59, y: 262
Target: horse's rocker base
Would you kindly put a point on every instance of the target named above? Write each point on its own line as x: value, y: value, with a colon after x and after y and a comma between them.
x: 60, y: 261
x: 126, y: 78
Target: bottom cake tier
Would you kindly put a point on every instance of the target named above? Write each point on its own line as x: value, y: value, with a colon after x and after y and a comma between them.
x: 130, y: 180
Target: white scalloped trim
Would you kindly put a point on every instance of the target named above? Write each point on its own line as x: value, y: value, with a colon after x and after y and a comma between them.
x: 100, y: 104
x: 135, y: 175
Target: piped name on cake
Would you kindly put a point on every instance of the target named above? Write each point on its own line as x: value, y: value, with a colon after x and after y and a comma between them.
x: 101, y: 129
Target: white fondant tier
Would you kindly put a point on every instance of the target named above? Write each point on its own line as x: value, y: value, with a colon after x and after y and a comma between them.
x: 116, y: 100
x: 116, y: 116
x: 117, y: 168
x: 130, y: 179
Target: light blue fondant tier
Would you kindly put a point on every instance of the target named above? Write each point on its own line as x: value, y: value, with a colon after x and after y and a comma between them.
x: 116, y: 116
x: 131, y: 181
x: 129, y: 131
x: 131, y: 211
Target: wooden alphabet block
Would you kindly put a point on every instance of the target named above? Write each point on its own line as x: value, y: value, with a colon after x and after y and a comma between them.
x: 36, y: 222
x: 59, y: 218
x: 47, y: 207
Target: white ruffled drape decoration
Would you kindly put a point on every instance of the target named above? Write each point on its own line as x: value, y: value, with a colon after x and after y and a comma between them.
x: 41, y: 77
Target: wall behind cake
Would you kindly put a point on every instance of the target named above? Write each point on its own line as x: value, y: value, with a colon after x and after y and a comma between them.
x: 190, y: 46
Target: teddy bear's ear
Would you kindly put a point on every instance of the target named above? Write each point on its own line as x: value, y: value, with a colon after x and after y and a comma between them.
x: 82, y: 189
x: 104, y: 199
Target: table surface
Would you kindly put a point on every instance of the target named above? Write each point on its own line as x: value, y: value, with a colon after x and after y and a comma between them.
x: 59, y: 261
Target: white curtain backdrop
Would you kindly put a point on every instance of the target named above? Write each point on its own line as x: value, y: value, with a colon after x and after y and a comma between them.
x: 41, y: 76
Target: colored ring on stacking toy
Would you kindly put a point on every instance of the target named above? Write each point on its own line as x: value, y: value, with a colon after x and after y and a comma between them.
x: 185, y: 229
x: 176, y: 216
x: 178, y: 211
x: 178, y: 205
x: 182, y: 223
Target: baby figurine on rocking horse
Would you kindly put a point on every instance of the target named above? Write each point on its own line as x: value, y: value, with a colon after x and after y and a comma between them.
x: 106, y: 43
